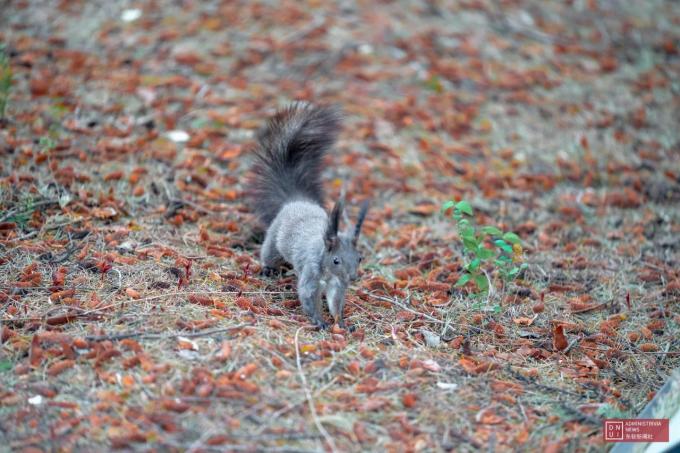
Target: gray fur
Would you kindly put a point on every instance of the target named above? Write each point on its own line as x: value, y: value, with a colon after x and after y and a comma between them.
x: 301, y: 232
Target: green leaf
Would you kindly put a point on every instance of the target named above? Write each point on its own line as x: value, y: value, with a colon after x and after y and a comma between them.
x: 470, y: 244
x: 503, y: 245
x: 468, y: 232
x: 485, y: 253
x: 482, y: 282
x: 474, y: 265
x: 492, y: 230
x: 512, y: 238
x: 513, y: 272
x: 448, y: 205
x: 463, y: 280
x: 434, y: 84
x: 497, y: 309
x: 464, y: 207
x: 5, y: 365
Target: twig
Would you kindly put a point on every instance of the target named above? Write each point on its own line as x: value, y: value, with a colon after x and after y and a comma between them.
x: 196, y: 206
x: 465, y: 439
x: 308, y: 394
x: 290, y: 406
x: 521, y: 408
x: 48, y: 228
x: 580, y: 416
x: 425, y: 315
x: 120, y: 277
x: 237, y: 447
x: 315, y: 24
x: 571, y: 345
x: 72, y: 314
x: 522, y: 378
x: 400, y: 305
x: 623, y: 351
x: 591, y: 308
x: 13, y: 212
x: 503, y: 25
x: 665, y: 353
x: 491, y: 291
x: 158, y: 336
x: 186, y: 293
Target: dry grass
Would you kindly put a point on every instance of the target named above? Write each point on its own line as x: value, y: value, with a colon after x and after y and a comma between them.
x: 140, y: 357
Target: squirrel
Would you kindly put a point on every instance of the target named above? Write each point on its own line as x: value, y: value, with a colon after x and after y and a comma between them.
x: 287, y: 196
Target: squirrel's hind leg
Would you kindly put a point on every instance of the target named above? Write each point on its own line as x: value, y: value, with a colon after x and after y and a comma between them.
x: 270, y: 258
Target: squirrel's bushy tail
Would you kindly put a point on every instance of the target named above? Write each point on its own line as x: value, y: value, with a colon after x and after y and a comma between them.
x: 289, y: 157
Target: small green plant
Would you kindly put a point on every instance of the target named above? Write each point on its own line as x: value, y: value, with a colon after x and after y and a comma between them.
x: 609, y: 411
x: 505, y: 255
x: 434, y: 83
x: 5, y: 80
x: 5, y: 365
x: 46, y: 143
x: 21, y: 214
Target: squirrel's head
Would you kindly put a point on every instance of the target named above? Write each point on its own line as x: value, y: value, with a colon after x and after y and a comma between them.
x: 342, y: 257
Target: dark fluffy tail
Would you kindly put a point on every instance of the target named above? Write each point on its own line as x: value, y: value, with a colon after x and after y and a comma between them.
x: 289, y: 157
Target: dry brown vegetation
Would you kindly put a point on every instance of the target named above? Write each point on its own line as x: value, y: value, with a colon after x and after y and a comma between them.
x: 132, y: 311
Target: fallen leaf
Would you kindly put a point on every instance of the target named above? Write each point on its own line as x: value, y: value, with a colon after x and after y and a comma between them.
x: 488, y: 417
x: 225, y: 352
x: 354, y: 368
x: 431, y: 365
x: 524, y: 321
x: 648, y: 347
x: 187, y: 344
x: 59, y: 367
x: 409, y: 400
x: 133, y: 293
x: 104, y: 213
x: 560, y: 342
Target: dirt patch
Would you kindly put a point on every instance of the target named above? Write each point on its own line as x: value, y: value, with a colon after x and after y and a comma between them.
x: 133, y: 312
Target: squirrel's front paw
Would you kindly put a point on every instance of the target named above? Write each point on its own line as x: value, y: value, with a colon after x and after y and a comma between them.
x: 344, y: 327
x: 269, y: 271
x: 321, y: 324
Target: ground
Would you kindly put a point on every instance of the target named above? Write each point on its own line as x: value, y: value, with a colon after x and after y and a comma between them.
x: 133, y: 311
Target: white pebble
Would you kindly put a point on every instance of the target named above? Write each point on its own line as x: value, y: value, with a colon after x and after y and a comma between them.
x: 131, y: 15
x: 178, y: 136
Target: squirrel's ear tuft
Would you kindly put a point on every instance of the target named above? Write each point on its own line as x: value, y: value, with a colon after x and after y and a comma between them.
x: 360, y: 221
x: 331, y: 238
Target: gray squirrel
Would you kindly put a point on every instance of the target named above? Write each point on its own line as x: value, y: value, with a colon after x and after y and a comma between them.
x: 287, y: 196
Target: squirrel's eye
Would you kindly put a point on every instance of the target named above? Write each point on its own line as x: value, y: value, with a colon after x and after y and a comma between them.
x: 336, y: 260
x: 361, y: 258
